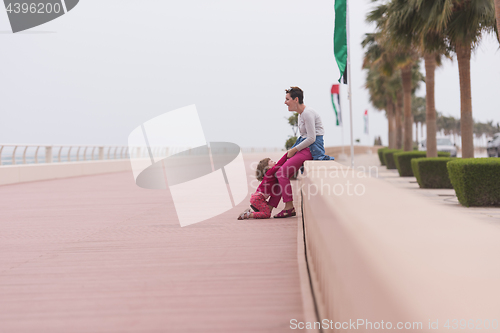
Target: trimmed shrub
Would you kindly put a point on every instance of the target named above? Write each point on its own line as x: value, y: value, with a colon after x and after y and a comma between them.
x: 432, y: 172
x: 389, y: 158
x: 381, y: 155
x: 403, y: 161
x: 476, y: 180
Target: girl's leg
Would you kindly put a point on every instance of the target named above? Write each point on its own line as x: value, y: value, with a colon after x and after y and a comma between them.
x: 258, y: 201
x: 245, y: 215
x: 261, y: 215
x: 291, y: 166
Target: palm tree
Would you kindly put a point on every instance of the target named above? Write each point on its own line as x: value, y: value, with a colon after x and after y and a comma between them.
x: 447, y: 124
x: 403, y: 56
x: 455, y: 25
x: 418, y: 106
x: 416, y: 78
x: 399, y: 119
x: 497, y: 11
x: 430, y: 119
x: 468, y: 20
x: 395, y: 87
x: 383, y: 84
x: 415, y: 25
x: 408, y: 133
x: 381, y: 99
x: 462, y: 23
x: 490, y: 129
x: 486, y: 130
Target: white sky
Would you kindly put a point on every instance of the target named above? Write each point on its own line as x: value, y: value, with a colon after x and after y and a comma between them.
x: 98, y: 72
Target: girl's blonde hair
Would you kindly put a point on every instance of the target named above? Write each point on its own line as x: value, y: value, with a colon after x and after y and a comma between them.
x: 262, y: 168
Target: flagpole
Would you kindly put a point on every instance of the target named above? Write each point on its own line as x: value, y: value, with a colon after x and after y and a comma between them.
x: 349, y: 93
x: 341, y: 127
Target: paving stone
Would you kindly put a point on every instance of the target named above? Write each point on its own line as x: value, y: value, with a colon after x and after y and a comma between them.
x: 99, y: 254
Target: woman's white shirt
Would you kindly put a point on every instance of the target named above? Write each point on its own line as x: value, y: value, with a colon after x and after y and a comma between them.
x: 310, y: 125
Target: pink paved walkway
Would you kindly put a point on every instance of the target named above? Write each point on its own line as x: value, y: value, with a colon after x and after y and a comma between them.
x: 98, y: 254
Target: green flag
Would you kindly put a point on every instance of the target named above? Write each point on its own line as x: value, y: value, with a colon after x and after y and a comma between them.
x: 340, y: 38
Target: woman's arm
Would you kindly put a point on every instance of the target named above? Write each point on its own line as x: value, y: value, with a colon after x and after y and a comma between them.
x: 272, y: 171
x: 310, y: 124
x: 282, y: 160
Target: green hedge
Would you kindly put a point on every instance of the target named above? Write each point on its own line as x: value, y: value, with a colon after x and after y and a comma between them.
x: 381, y: 155
x: 389, y: 158
x: 403, y: 161
x: 432, y: 172
x: 476, y: 181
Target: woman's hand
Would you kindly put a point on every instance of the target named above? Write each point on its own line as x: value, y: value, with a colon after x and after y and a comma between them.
x: 291, y: 152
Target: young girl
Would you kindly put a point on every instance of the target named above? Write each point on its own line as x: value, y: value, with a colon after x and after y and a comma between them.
x: 268, y: 189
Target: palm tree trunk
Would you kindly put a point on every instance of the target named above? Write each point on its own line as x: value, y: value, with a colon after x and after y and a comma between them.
x: 408, y: 135
x: 466, y: 121
x: 399, y: 120
x: 497, y: 12
x: 392, y: 122
x: 430, y: 112
x: 416, y: 133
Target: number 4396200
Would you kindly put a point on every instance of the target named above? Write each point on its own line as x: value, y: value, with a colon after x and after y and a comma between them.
x: 33, y: 8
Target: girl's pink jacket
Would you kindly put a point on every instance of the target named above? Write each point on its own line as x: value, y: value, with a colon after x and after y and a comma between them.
x: 269, y: 180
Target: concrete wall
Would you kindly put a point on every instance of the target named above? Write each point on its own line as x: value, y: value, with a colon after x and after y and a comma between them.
x: 12, y: 174
x: 335, y: 151
x: 383, y: 253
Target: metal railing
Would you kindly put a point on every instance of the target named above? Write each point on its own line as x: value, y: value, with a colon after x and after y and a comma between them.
x: 12, y: 154
x: 261, y: 149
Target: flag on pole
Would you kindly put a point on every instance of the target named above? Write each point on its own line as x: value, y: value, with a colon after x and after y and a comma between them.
x: 340, y: 38
x: 366, y: 121
x: 336, y: 95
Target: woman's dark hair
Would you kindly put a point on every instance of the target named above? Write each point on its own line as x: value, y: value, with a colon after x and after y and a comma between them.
x: 262, y: 168
x: 296, y: 92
